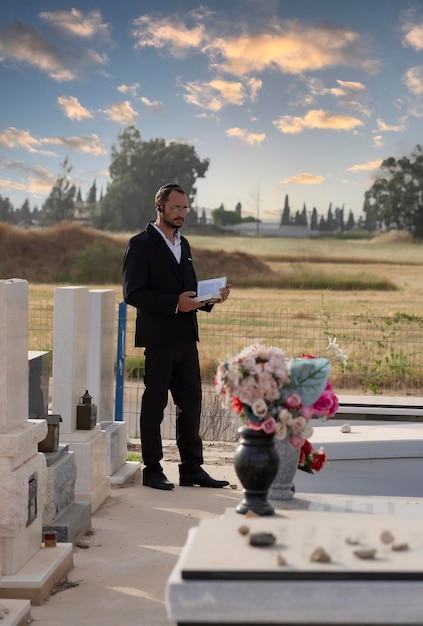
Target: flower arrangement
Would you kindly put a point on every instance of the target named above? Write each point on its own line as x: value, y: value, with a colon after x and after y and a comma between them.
x: 311, y: 460
x: 277, y: 394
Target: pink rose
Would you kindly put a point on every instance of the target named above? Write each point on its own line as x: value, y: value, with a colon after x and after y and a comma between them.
x: 296, y: 441
x: 269, y: 426
x: 293, y: 401
x: 327, y: 404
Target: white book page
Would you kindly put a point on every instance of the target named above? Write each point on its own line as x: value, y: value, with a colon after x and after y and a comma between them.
x: 210, y: 289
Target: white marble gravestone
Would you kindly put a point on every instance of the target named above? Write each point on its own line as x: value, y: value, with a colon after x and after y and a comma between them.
x: 22, y: 467
x: 100, y: 377
x: 70, y: 346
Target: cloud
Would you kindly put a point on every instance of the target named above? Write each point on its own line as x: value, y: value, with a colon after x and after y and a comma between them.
x: 132, y: 90
x: 73, y: 109
x: 246, y: 136
x: 89, y: 144
x: 345, y: 88
x: 14, y: 138
x: 24, y: 44
x: 20, y: 43
x: 77, y: 23
x: 290, y: 47
x: 40, y: 179
x: 413, y: 79
x: 303, y: 179
x: 217, y: 93
x: 155, y: 106
x: 362, y: 167
x: 379, y: 141
x: 412, y: 27
x: 122, y: 113
x: 5, y: 183
x: 384, y: 127
x: 316, y: 118
x: 168, y: 32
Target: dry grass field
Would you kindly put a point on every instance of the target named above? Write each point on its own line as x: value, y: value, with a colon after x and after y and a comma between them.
x: 271, y: 273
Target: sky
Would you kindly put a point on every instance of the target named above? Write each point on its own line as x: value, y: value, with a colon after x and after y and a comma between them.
x: 303, y: 98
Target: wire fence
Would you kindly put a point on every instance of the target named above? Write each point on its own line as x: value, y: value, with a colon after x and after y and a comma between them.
x: 384, y: 354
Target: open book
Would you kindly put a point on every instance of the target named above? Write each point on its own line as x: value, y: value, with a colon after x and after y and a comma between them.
x: 208, y: 290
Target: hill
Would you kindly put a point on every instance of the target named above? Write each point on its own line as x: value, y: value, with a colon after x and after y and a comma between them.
x: 69, y: 253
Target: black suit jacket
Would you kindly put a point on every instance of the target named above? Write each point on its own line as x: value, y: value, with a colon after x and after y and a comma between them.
x: 152, y: 282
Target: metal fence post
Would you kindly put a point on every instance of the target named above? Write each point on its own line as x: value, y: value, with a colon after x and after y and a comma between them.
x: 120, y: 362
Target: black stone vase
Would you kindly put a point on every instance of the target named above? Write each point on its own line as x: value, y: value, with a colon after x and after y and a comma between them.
x: 256, y: 464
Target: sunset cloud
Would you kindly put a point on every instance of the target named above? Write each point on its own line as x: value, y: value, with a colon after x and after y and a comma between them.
x: 122, y: 113
x: 217, y: 93
x: 413, y: 79
x: 20, y: 43
x: 90, y: 144
x: 384, y: 127
x: 73, y: 109
x: 77, y: 23
x: 246, y: 136
x: 412, y: 28
x: 132, y: 90
x: 303, y: 179
x: 363, y: 167
x: 317, y: 118
x: 167, y: 33
x: 155, y: 106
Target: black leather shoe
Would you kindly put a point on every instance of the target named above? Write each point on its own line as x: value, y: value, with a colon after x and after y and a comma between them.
x: 157, y: 480
x: 202, y: 479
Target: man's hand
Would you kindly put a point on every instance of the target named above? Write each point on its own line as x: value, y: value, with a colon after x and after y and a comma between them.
x: 186, y: 303
x: 224, y: 292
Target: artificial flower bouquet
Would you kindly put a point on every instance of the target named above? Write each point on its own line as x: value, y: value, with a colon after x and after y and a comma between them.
x: 277, y: 394
x: 311, y: 460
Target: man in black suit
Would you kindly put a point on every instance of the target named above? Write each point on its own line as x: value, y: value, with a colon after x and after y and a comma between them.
x: 159, y: 281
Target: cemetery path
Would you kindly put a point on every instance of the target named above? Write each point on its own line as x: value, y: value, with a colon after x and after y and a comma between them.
x: 121, y: 569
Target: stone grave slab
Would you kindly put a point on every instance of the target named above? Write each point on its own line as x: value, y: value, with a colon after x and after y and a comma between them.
x: 221, y: 579
x: 381, y: 458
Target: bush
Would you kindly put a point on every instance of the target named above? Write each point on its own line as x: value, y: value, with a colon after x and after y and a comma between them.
x: 97, y: 263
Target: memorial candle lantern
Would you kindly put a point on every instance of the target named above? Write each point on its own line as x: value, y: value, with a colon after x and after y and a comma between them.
x: 86, y: 413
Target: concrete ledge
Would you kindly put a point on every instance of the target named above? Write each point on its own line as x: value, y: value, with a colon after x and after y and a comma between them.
x: 16, y: 612
x: 129, y: 471
x: 72, y: 523
x: 221, y: 579
x: 37, y: 578
x: 380, y: 408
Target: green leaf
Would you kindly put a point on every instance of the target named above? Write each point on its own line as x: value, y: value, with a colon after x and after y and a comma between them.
x: 308, y: 379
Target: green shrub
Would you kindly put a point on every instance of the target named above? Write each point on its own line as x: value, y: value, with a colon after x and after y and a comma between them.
x: 98, y: 263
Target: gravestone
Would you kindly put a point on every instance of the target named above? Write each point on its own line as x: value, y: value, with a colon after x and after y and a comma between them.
x: 22, y: 467
x: 69, y: 384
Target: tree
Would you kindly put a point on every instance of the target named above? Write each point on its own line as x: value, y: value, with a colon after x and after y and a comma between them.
x: 6, y: 210
x: 303, y: 216
x: 25, y: 217
x: 395, y: 200
x: 285, y: 218
x: 350, y: 221
x: 313, y: 222
x: 60, y: 204
x: 330, y: 222
x: 92, y: 194
x: 137, y: 169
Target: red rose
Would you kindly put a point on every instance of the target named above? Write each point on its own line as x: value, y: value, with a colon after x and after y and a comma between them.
x: 319, y: 459
x: 236, y: 405
x: 307, y: 448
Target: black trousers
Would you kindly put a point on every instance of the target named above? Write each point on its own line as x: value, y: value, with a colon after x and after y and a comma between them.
x: 175, y: 369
